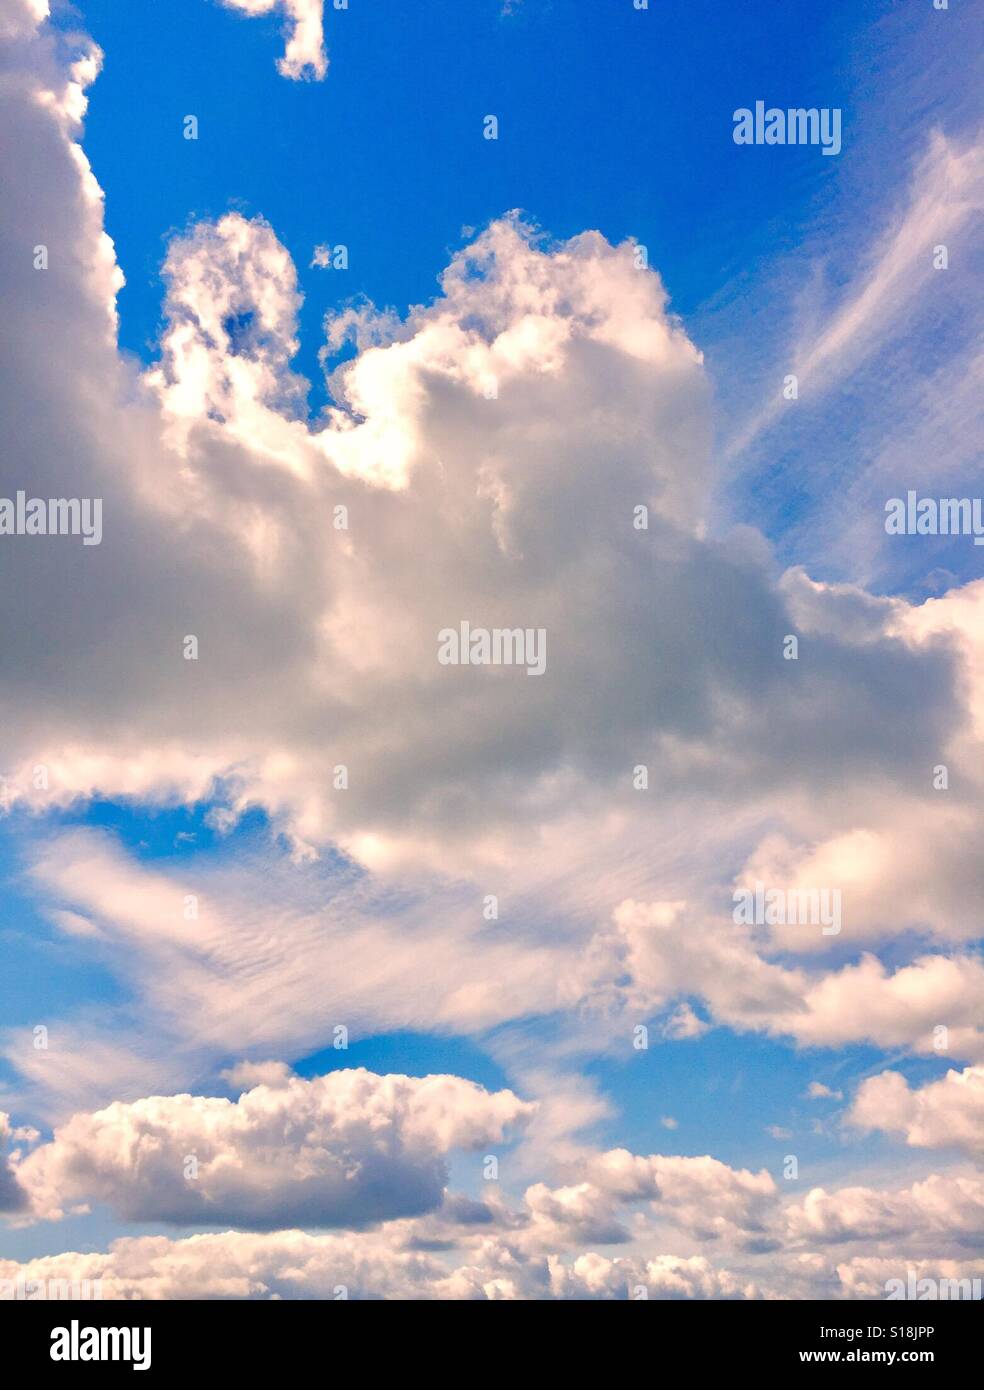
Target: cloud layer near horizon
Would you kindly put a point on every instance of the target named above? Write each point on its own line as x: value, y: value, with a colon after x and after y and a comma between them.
x: 352, y: 1149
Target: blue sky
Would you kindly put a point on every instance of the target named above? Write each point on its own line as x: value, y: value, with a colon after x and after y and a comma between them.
x: 775, y: 260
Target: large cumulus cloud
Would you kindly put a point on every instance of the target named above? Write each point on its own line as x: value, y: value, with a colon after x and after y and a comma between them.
x: 347, y: 1149
x: 664, y: 646
x: 941, y: 1114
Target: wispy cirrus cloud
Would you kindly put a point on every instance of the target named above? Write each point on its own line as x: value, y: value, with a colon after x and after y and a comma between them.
x: 945, y: 200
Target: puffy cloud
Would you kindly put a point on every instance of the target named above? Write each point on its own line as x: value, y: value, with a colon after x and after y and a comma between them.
x: 818, y: 1091
x: 948, y: 1113
x: 899, y: 872
x: 902, y: 861
x: 285, y: 1264
x: 295, y: 1264
x: 705, y: 1196
x: 22, y: 17
x: 684, y: 1023
x: 665, y: 1277
x: 624, y: 1198
x: 742, y: 1211
x: 457, y: 1247
x: 232, y: 303
x: 244, y: 1075
x: 942, y: 1207
x: 900, y: 1008
x: 395, y: 1262
x: 879, y: 1277
x: 659, y: 951
x: 343, y: 1149
x: 562, y: 1216
x: 489, y: 422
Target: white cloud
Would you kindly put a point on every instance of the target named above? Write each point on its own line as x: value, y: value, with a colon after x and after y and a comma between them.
x: 294, y: 1264
x: 21, y: 17
x: 818, y: 1091
x: 942, y: 1114
x: 225, y: 499
x: 941, y: 1208
x: 765, y: 1240
x: 700, y: 1194
x: 875, y: 1277
x: 544, y: 1252
x: 344, y: 1149
x: 867, y: 1002
x: 663, y: 951
x: 285, y: 1264
x: 684, y: 1023
x: 665, y: 1277
x: 244, y: 1075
